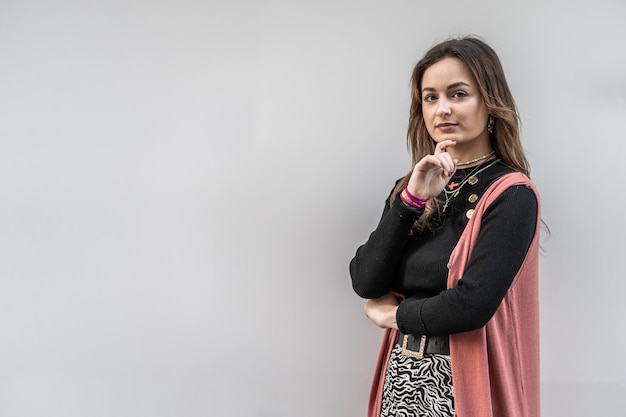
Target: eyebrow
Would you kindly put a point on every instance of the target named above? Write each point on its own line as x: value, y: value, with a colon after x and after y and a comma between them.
x: 454, y: 85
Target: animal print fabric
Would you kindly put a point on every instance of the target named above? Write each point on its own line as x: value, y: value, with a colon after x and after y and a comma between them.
x: 417, y: 387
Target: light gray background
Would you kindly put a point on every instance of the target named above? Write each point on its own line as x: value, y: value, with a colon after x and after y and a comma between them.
x: 183, y: 184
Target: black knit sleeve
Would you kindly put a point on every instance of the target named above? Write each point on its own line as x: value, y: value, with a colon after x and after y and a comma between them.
x: 376, y: 261
x: 507, y: 229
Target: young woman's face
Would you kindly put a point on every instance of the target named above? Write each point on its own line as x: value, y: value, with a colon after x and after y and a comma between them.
x: 452, y: 105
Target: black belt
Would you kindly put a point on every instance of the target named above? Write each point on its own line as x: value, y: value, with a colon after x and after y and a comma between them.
x: 418, y: 346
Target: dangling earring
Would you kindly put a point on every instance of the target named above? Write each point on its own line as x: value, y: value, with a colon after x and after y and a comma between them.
x: 490, y: 124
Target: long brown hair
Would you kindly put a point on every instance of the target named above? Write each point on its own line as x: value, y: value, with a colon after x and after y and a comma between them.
x: 485, y: 66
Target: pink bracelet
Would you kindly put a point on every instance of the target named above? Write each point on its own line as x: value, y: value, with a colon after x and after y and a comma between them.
x: 407, y: 202
x: 413, y: 198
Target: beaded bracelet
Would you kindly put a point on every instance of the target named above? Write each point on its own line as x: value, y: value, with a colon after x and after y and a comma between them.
x: 412, y: 201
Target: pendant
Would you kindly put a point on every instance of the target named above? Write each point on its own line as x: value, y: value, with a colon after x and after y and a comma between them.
x: 449, y: 198
x: 445, y: 205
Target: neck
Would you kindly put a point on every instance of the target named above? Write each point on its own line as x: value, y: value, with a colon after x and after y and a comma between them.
x: 470, y: 148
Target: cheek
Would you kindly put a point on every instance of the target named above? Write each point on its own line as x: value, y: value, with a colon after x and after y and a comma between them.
x: 476, y: 114
x: 428, y: 115
x: 481, y: 108
x: 429, y: 122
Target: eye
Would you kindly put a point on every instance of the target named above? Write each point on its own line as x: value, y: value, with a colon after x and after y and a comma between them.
x: 429, y: 98
x: 459, y: 94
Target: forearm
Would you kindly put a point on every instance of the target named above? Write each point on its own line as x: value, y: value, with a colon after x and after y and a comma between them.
x: 376, y: 261
x: 382, y: 311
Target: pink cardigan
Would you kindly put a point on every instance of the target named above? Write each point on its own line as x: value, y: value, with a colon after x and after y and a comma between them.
x: 495, y: 369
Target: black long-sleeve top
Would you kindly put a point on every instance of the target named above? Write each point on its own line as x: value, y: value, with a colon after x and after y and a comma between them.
x: 415, y: 264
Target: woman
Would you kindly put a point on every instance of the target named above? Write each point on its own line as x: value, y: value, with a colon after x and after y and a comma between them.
x: 451, y: 269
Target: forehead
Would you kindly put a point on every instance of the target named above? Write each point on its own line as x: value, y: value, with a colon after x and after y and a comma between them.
x: 446, y: 72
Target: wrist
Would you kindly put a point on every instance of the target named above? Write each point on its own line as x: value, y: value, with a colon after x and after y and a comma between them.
x: 411, y: 200
x: 393, y: 323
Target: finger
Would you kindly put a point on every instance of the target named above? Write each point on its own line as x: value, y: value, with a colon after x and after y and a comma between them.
x: 447, y: 163
x: 428, y: 163
x: 442, y: 161
x: 443, y: 145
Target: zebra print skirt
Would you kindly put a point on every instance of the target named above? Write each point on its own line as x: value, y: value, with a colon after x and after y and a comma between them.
x: 417, y: 387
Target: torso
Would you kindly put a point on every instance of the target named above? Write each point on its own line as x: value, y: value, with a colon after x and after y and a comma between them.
x: 423, y: 269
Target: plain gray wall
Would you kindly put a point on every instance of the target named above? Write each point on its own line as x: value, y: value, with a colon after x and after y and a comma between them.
x: 183, y: 184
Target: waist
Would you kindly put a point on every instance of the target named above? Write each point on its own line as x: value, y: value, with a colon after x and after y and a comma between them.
x: 417, y: 346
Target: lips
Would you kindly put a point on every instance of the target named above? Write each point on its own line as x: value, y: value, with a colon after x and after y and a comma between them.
x: 446, y: 126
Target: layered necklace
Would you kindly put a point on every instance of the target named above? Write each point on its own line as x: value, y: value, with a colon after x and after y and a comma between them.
x: 453, y: 188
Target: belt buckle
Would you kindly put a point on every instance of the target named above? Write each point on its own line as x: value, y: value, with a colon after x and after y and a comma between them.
x: 407, y: 352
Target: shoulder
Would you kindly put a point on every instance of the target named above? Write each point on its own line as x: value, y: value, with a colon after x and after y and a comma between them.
x: 502, y: 178
x: 516, y: 200
x: 497, y: 171
x: 510, y: 191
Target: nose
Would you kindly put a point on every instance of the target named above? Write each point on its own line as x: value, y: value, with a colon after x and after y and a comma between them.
x: 443, y: 107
